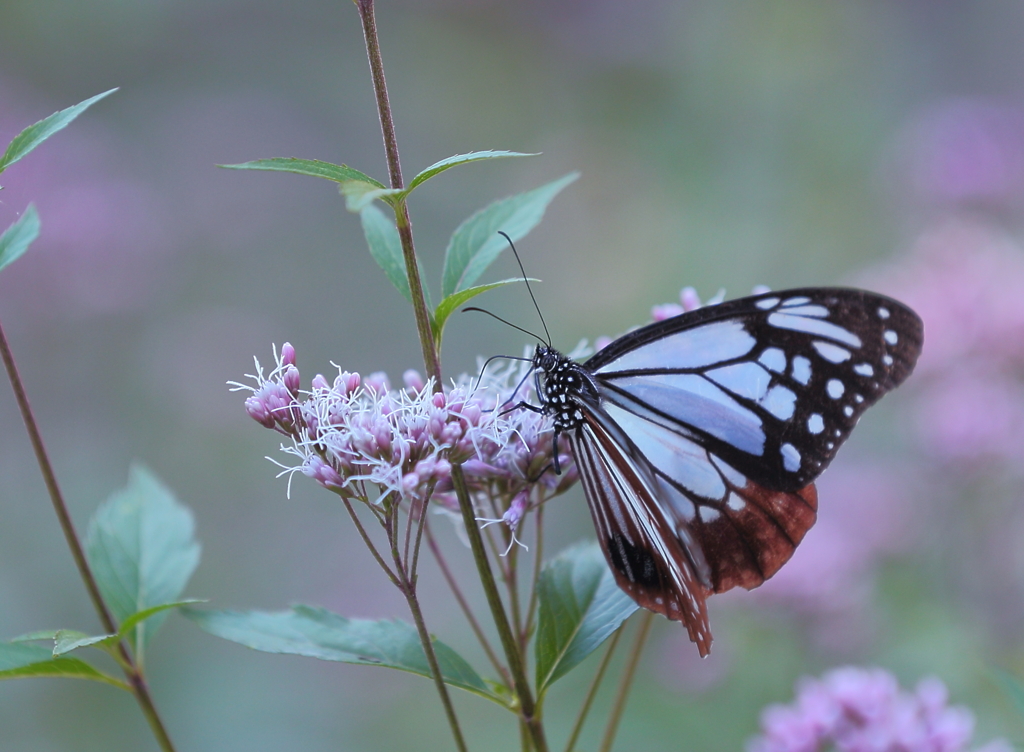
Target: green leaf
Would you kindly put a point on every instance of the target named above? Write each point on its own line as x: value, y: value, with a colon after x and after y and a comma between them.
x: 475, y: 244
x: 311, y: 167
x: 438, y: 167
x: 449, y: 305
x: 360, y: 194
x: 386, y: 249
x: 66, y: 640
x: 317, y: 633
x: 21, y: 661
x: 19, y: 236
x: 580, y: 606
x: 141, y: 549
x: 35, y: 134
x: 42, y: 634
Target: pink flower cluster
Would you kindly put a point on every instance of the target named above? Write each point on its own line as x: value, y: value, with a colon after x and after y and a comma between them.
x: 965, y: 279
x: 864, y: 710
x: 362, y: 439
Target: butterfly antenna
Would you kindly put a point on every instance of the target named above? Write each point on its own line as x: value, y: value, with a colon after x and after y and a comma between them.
x: 528, y: 288
x: 503, y: 321
x: 493, y: 358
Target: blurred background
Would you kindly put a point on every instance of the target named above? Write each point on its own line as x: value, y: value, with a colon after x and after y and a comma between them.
x: 722, y: 144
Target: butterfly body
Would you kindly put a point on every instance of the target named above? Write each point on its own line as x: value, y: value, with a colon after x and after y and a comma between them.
x: 698, y: 438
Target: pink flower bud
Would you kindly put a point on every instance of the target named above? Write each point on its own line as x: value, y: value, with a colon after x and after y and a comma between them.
x: 291, y: 380
x: 514, y: 514
x: 287, y: 354
x: 413, y: 380
x: 259, y: 411
x: 377, y: 382
x: 689, y: 298
x: 320, y: 383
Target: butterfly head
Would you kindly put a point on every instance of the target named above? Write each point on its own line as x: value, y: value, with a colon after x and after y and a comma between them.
x: 567, y: 388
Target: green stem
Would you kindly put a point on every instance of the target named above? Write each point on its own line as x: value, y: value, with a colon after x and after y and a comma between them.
x: 626, y: 683
x: 430, y: 358
x: 133, y: 673
x: 408, y: 588
x: 464, y: 605
x: 592, y: 691
x: 432, y: 364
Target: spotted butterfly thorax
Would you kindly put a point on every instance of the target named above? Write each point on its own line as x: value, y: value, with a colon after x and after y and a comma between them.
x: 698, y: 438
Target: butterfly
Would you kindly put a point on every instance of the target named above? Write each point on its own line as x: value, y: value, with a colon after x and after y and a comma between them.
x: 698, y: 438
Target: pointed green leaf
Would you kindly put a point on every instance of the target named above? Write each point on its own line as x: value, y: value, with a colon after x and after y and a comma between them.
x: 311, y: 167
x: 386, y: 248
x: 42, y: 634
x: 438, y: 167
x: 68, y: 640
x: 35, y: 134
x: 317, y: 633
x: 360, y: 194
x: 449, y: 305
x: 21, y: 661
x: 142, y: 551
x: 580, y: 606
x: 475, y: 244
x: 137, y: 618
x: 19, y: 236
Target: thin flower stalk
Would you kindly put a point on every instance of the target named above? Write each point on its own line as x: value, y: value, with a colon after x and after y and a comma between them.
x: 136, y: 680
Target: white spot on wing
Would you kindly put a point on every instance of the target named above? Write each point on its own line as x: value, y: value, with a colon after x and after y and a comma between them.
x: 748, y: 379
x: 798, y: 301
x: 790, y: 457
x: 835, y: 388
x: 767, y: 303
x: 801, y: 370
x: 736, y: 503
x: 887, y: 359
x: 830, y: 352
x: 780, y: 402
x: 891, y: 337
x: 883, y: 313
x: 773, y: 359
x: 816, y: 311
x: 815, y: 423
x: 814, y: 326
x: 708, y: 514
x: 864, y: 369
x: 848, y: 411
x: 731, y: 474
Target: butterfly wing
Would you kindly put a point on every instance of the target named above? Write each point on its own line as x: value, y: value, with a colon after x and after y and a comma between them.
x: 743, y: 531
x: 736, y: 408
x: 649, y: 556
x: 771, y: 384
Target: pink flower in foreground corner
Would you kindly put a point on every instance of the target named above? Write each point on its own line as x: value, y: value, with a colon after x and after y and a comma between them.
x: 864, y: 710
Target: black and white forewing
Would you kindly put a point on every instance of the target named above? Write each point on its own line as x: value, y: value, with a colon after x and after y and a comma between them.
x: 771, y: 384
x: 647, y: 553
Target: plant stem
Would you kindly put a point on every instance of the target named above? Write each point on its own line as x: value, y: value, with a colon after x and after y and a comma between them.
x: 626, y: 683
x: 387, y: 125
x: 133, y: 673
x: 433, y: 368
x: 408, y: 588
x: 464, y: 605
x: 592, y: 691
